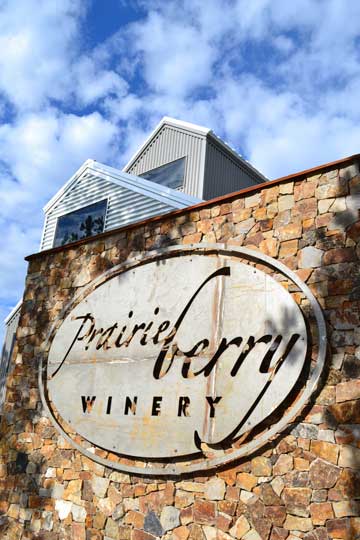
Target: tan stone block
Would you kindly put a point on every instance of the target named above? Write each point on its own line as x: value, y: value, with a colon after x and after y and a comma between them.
x: 241, y: 527
x: 244, y: 227
x: 215, y: 211
x: 325, y: 450
x: 285, y: 202
x: 206, y: 214
x: 270, y: 247
x: 278, y: 485
x: 349, y: 457
x: 260, y: 213
x: 253, y: 200
x: 339, y: 205
x: 120, y: 478
x: 192, y: 238
x: 347, y: 391
x: 324, y: 205
x: 290, y: 231
x: 295, y: 523
x: 269, y: 194
x: 289, y: 248
x: 212, y: 533
x: 183, y: 498
x: 252, y: 535
x: 261, y: 466
x: 223, y: 521
x: 320, y: 512
x: 72, y: 491
x: 272, y: 210
x: 209, y: 238
x: 305, y: 209
x: 334, y: 187
x: 286, y: 188
x: 181, y: 533
x: 205, y: 226
x: 195, y: 216
x: 346, y: 508
x: 301, y: 464
x: 246, y: 481
x: 13, y: 511
x: 135, y: 518
x: 304, y: 190
x: 242, y: 214
x: 297, y: 500
x: 214, y: 489
x: 196, y: 487
x: 283, y: 465
x: 106, y: 506
x: 229, y: 476
x: 355, y: 526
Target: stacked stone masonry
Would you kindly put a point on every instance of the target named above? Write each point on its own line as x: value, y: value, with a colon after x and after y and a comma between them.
x: 305, y: 484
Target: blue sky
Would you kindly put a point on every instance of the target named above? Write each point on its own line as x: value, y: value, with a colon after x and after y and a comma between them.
x: 278, y: 80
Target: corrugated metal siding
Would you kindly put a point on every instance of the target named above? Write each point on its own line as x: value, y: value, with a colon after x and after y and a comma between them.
x: 223, y: 174
x: 6, y: 353
x: 171, y: 144
x: 124, y: 206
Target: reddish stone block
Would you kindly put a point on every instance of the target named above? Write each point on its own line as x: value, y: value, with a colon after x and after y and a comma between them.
x: 338, y: 528
x: 321, y: 512
x: 339, y: 255
x: 137, y: 534
x: 276, y: 514
x: 204, y: 512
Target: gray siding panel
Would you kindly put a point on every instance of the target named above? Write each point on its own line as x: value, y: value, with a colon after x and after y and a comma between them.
x: 9, y: 342
x: 171, y: 144
x: 124, y: 206
x: 223, y: 174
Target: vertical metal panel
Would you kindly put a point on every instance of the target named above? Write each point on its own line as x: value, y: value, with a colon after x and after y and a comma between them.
x: 223, y: 174
x: 7, y: 349
x: 171, y: 144
x: 124, y: 206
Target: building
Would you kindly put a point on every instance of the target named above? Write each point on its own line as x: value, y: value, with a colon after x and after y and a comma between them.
x: 178, y: 165
x: 194, y: 375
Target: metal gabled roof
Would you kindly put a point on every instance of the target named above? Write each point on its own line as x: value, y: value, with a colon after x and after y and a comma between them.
x: 158, y: 192
x: 167, y: 121
x: 196, y: 130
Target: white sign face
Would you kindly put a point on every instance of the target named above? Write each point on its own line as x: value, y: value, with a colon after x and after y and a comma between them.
x: 176, y: 352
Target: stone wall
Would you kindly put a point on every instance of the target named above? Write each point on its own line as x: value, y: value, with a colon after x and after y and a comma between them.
x: 304, y: 485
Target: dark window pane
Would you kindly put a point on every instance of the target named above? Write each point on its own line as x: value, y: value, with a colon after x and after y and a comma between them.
x: 170, y: 175
x: 84, y: 222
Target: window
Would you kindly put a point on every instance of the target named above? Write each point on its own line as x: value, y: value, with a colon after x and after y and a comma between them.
x: 81, y: 223
x: 170, y: 174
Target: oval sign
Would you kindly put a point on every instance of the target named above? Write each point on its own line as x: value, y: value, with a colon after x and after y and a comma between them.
x: 177, y: 354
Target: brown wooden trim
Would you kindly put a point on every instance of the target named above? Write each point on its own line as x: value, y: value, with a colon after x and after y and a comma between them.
x: 218, y: 200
